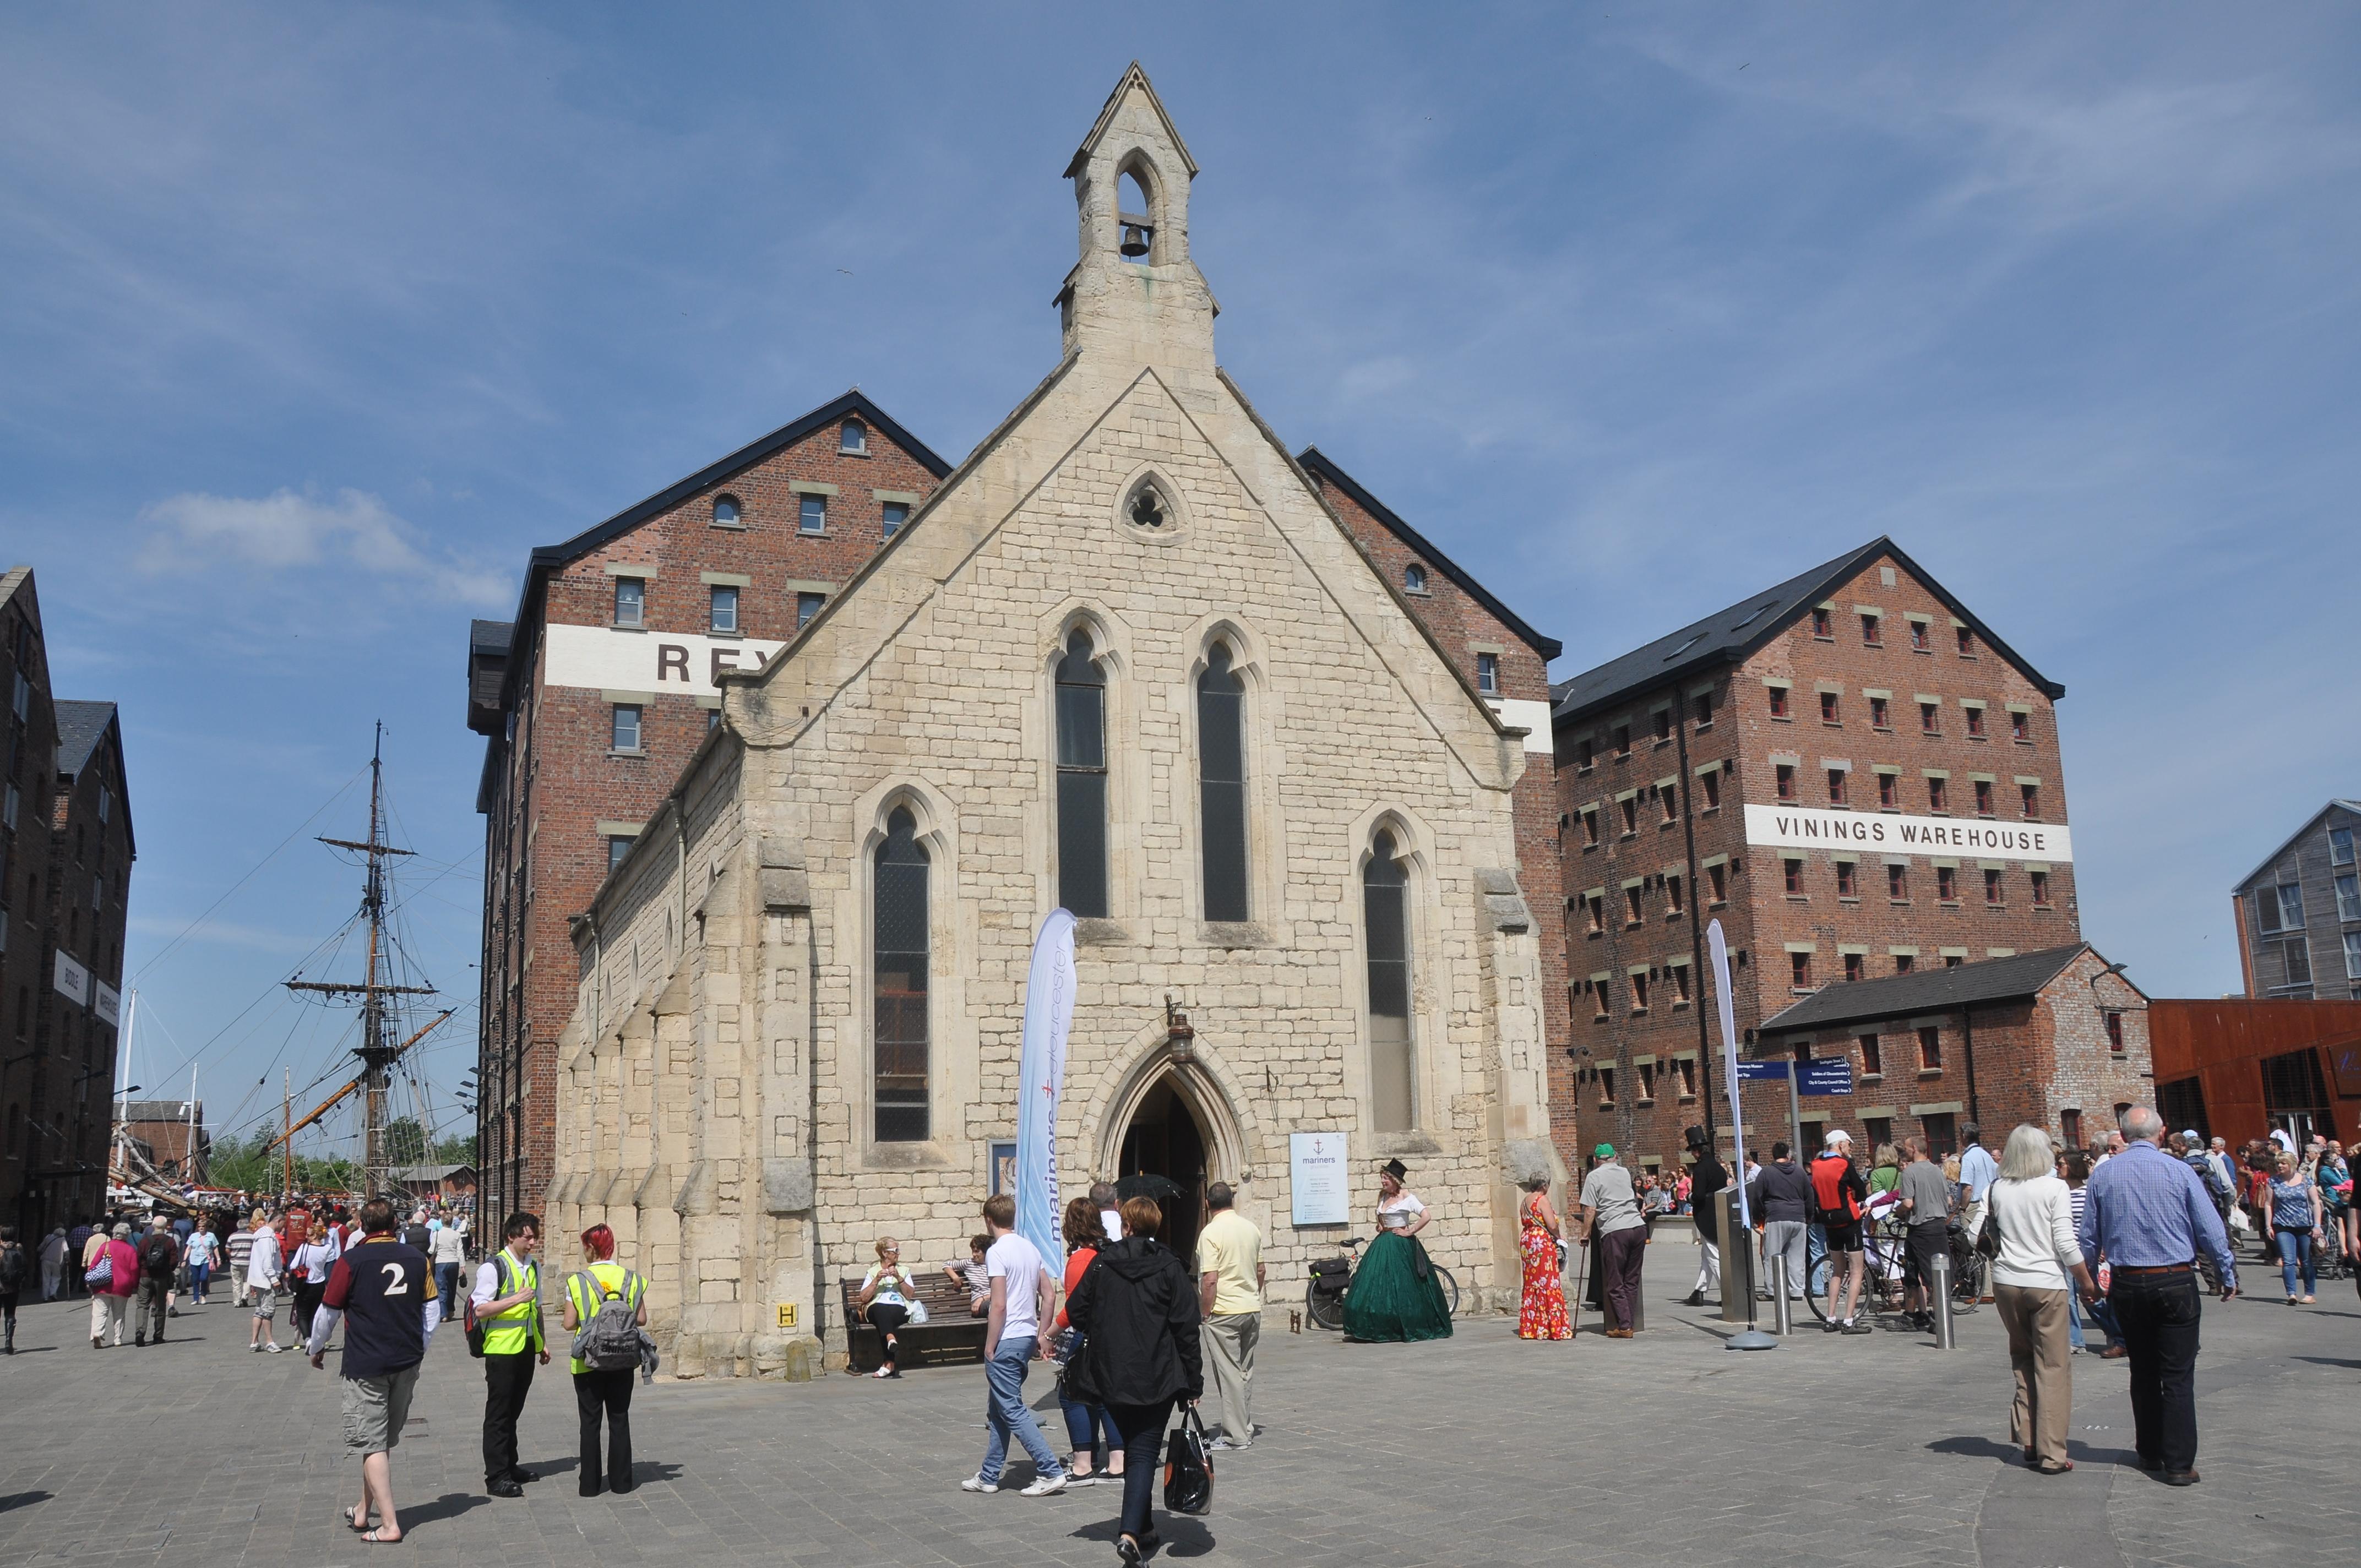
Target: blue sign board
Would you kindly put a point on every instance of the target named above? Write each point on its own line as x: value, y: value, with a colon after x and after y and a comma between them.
x: 1748, y: 1069
x: 1833, y: 1076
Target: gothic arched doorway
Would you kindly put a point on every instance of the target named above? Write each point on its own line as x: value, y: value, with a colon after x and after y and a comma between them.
x: 1164, y: 1140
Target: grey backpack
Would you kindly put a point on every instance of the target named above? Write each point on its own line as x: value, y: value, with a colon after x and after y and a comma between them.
x: 609, y: 1339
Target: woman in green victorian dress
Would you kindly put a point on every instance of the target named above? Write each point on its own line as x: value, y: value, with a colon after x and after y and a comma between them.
x: 1394, y: 1295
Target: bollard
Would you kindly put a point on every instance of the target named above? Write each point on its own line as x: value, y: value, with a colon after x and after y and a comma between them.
x: 1940, y: 1288
x: 1783, y: 1319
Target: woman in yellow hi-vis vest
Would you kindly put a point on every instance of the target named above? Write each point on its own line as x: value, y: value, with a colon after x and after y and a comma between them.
x: 506, y: 1299
x: 604, y: 1388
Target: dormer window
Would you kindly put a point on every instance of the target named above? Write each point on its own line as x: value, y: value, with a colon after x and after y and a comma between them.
x: 1414, y: 578
x: 853, y: 436
x: 725, y: 512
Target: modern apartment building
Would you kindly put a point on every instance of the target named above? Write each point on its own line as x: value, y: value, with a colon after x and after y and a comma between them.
x: 2299, y: 914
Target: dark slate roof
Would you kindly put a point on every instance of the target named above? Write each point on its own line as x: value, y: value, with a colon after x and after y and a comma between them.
x: 161, y: 1111
x: 81, y: 727
x: 2272, y: 859
x: 1317, y: 462
x: 1924, y: 990
x: 489, y: 636
x: 852, y: 403
x: 1732, y: 635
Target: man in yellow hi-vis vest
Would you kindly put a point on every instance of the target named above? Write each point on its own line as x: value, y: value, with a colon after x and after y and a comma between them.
x: 508, y: 1309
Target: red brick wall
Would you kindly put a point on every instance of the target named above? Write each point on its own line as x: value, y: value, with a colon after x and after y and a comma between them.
x: 560, y: 779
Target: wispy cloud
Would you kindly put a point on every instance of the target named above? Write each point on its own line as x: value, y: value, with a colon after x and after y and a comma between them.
x: 287, y: 531
x: 222, y: 933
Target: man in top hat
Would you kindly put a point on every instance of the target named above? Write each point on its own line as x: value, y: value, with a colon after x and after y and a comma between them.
x: 1610, y: 1211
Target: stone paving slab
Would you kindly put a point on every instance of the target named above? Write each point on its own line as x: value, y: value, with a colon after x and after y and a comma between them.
x: 1482, y: 1450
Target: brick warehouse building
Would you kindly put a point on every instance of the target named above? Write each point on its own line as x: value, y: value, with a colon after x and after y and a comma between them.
x: 2059, y: 1038
x: 1851, y: 771
x: 601, y: 690
x: 66, y: 848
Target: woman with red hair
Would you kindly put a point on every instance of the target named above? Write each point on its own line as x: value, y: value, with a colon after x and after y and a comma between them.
x: 597, y: 1389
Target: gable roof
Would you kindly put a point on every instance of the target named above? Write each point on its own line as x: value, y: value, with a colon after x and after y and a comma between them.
x: 1133, y: 76
x: 1731, y: 636
x: 1925, y: 990
x: 630, y: 517
x: 2271, y: 859
x: 81, y: 727
x: 1315, y: 461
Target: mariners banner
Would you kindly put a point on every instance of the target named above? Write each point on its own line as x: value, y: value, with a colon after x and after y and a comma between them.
x: 1809, y: 828
x: 1041, y: 1078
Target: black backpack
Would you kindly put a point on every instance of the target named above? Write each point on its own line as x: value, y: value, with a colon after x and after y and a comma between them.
x: 12, y: 1269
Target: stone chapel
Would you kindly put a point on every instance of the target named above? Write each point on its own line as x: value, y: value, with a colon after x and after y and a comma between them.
x: 1127, y: 659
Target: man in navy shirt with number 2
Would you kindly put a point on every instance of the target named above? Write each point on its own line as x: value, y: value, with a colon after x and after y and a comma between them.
x: 380, y: 1288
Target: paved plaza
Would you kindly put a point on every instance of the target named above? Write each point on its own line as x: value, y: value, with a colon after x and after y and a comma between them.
x: 1480, y: 1450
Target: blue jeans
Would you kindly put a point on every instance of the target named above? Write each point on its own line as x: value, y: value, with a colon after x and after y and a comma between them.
x: 1088, y: 1425
x: 2295, y: 1251
x: 1004, y: 1412
x: 446, y: 1290
x: 198, y: 1274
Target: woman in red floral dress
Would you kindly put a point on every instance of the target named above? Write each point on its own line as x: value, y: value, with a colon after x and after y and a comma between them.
x: 1541, y: 1312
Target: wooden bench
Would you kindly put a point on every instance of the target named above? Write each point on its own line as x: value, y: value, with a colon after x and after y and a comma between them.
x: 949, y: 1333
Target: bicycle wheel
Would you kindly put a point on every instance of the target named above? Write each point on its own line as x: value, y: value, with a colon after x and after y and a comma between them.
x: 1817, y: 1286
x: 1325, y: 1309
x: 1450, y: 1289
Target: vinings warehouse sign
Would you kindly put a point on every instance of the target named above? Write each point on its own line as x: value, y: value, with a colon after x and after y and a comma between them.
x: 1803, y: 827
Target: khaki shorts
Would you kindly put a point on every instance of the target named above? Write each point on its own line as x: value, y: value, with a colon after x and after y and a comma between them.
x: 376, y: 1409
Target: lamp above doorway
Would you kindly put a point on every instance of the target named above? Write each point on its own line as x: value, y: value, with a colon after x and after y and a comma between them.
x: 1179, y: 1038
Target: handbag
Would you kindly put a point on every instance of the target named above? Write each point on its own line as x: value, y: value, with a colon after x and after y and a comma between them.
x: 101, y: 1272
x: 918, y: 1310
x: 1188, y: 1467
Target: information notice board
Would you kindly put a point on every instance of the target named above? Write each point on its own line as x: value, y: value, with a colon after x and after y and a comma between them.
x: 1318, y: 1177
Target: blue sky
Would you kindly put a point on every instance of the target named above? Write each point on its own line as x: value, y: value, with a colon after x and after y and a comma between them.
x: 316, y: 321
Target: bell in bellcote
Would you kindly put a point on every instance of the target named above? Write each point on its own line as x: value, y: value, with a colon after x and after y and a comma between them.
x: 1135, y: 241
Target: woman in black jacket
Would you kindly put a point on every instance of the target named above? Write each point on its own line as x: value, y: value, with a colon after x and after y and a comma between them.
x: 1137, y: 1310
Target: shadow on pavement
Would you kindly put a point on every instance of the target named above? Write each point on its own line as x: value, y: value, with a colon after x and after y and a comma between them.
x: 2330, y: 1361
x: 16, y: 1500
x: 1183, y: 1536
x: 1977, y: 1448
x: 449, y: 1506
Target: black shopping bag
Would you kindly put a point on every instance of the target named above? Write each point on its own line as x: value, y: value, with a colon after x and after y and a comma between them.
x: 1188, y: 1468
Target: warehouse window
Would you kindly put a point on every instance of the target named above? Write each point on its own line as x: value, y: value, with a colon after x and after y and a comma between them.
x: 1414, y: 578
x: 806, y: 606
x: 1487, y: 674
x: 625, y: 732
x: 896, y: 514
x: 630, y: 602
x: 724, y: 604
x: 852, y: 436
x: 725, y: 512
x: 811, y: 515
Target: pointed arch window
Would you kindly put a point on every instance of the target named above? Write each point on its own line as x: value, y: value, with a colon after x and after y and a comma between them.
x: 1222, y: 784
x: 898, y: 946
x: 1385, y: 910
x: 1081, y: 781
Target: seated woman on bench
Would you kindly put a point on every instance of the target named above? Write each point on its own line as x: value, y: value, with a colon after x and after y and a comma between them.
x: 885, y: 1292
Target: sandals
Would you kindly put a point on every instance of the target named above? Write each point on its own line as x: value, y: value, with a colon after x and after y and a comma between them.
x: 355, y: 1520
x: 2060, y: 1468
x: 379, y: 1538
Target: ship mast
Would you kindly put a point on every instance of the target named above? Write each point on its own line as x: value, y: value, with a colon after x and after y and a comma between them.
x: 376, y: 1053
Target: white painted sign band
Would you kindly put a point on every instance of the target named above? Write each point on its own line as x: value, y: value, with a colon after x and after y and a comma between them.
x: 602, y: 658
x: 1807, y: 828
x: 1531, y: 716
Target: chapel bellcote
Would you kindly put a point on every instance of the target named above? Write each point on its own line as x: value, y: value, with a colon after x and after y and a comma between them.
x: 1133, y: 292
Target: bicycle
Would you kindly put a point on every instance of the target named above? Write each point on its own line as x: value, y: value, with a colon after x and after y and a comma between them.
x: 1883, y: 1245
x: 1324, y: 1298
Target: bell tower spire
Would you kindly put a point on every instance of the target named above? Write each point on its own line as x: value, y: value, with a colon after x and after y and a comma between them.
x: 1134, y: 293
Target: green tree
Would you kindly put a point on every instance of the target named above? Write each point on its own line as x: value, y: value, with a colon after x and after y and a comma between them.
x: 456, y: 1150
x: 405, y: 1142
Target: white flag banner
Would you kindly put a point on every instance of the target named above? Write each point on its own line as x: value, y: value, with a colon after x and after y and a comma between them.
x: 1718, y: 950
x: 1041, y: 1078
